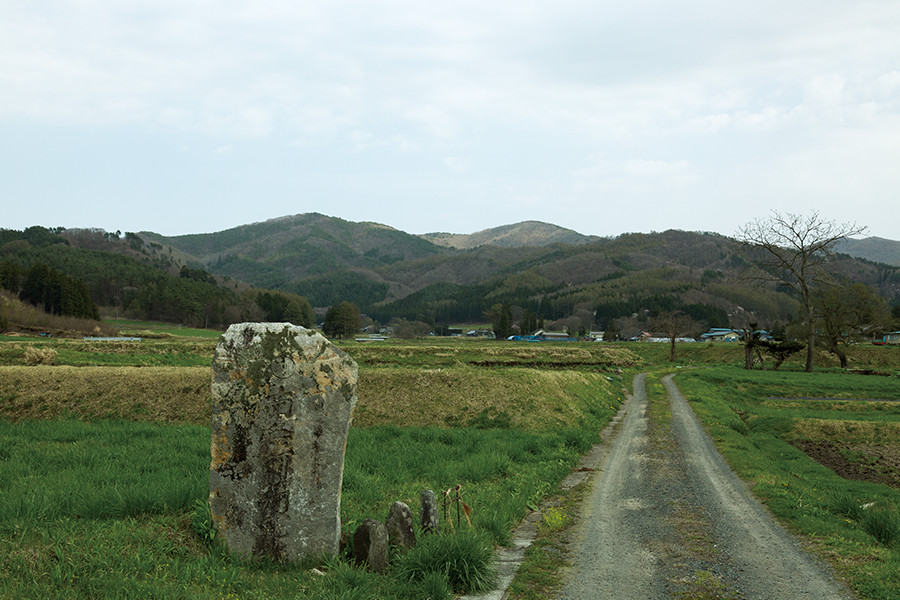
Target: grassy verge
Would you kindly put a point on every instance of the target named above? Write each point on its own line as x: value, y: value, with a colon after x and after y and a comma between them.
x: 84, y: 494
x: 542, y: 571
x: 754, y: 417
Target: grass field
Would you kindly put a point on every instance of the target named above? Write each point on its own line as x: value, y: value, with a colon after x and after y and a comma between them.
x: 152, y: 329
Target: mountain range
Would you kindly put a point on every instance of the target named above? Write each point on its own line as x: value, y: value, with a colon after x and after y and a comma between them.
x: 536, y: 269
x: 390, y: 273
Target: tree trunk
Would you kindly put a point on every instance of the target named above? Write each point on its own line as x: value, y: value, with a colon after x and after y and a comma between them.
x: 837, y: 351
x: 762, y: 362
x: 672, y: 351
x: 748, y: 356
x: 810, y: 340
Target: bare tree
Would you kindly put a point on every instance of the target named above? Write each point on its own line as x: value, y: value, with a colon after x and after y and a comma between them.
x: 673, y: 325
x: 794, y: 250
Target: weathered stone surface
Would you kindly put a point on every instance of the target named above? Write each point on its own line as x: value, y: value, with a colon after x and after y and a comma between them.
x: 399, y: 525
x: 370, y: 545
x: 430, y: 519
x: 282, y: 400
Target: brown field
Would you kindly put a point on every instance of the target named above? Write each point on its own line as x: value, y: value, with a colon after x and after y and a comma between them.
x: 861, y: 450
x: 531, y: 398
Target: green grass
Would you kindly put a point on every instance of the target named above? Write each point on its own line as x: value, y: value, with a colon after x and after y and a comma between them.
x: 753, y: 433
x: 53, y: 469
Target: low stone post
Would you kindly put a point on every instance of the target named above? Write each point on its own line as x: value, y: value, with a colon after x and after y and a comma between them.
x: 371, y: 545
x: 282, y: 401
x: 429, y: 516
x: 399, y: 523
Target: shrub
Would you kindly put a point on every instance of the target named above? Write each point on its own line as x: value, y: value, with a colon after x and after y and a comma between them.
x: 40, y: 356
x: 463, y: 556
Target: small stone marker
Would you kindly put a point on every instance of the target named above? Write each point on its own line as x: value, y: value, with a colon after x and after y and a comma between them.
x: 399, y: 525
x: 370, y: 545
x: 430, y: 519
x: 282, y: 401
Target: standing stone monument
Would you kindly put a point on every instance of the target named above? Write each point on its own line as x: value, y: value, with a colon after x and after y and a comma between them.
x: 282, y: 401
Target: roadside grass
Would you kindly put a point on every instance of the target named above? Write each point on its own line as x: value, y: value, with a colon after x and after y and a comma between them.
x: 109, y: 505
x: 754, y: 415
x: 106, y: 508
x: 543, y: 569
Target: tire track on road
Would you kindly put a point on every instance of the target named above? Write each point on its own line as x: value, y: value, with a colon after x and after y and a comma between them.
x: 667, y: 518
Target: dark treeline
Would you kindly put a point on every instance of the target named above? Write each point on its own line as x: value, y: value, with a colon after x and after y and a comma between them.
x: 49, y: 290
x: 442, y: 303
x: 643, y: 306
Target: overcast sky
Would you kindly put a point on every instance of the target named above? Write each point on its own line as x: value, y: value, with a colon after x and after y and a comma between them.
x: 184, y: 116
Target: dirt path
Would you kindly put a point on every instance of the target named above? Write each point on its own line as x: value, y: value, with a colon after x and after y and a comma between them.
x: 667, y: 518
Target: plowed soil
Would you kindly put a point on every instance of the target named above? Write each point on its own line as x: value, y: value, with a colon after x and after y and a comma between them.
x: 862, y: 462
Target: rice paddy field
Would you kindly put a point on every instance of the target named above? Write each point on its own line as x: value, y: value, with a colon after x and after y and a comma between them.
x: 104, y: 457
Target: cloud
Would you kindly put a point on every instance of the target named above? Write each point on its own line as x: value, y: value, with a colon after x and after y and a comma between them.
x: 456, y: 164
x: 542, y: 104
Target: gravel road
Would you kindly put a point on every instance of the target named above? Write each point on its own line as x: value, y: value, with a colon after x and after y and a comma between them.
x: 667, y: 518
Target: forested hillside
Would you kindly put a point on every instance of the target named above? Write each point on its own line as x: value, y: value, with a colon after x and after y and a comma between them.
x: 47, y: 269
x: 281, y: 269
x: 873, y: 248
x: 389, y: 274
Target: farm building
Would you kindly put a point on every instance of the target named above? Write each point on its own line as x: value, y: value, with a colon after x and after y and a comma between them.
x: 720, y: 335
x: 732, y: 335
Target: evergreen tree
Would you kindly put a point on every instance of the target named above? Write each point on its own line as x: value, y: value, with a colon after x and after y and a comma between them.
x: 503, y: 323
x: 283, y: 306
x: 342, y: 320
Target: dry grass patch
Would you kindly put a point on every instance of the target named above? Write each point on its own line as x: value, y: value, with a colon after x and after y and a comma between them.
x: 40, y: 356
x: 16, y: 315
x: 531, y: 398
x: 168, y: 394
x: 848, y: 431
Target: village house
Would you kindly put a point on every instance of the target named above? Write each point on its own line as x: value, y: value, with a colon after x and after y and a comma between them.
x: 891, y: 338
x: 717, y: 334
